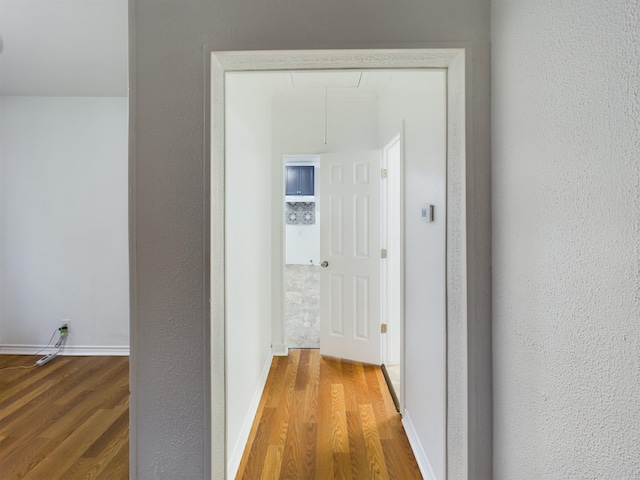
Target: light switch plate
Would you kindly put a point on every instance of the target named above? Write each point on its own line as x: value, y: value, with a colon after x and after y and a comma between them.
x: 427, y: 213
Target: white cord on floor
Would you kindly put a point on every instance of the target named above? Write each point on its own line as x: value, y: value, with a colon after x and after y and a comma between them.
x: 37, y: 353
x: 16, y: 368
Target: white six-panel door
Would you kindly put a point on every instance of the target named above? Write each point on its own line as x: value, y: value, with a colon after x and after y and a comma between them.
x: 350, y: 252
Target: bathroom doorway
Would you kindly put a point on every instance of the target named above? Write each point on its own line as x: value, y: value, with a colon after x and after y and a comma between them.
x: 302, y: 251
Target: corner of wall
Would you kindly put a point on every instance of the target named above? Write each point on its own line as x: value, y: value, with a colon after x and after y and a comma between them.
x: 279, y: 350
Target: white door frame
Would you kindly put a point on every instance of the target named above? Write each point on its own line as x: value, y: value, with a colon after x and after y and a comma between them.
x: 458, y: 350
x: 398, y: 178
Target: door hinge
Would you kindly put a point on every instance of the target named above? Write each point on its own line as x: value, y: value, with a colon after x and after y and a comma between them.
x: 383, y: 253
x: 383, y: 173
x: 383, y: 328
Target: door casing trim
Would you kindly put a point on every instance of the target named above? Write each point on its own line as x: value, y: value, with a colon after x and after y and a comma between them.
x: 455, y: 61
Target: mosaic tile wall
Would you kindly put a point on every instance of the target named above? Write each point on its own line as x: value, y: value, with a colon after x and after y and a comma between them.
x: 300, y: 213
x: 302, y: 306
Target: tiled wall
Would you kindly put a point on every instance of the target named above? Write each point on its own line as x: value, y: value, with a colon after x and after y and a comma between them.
x: 300, y: 213
x: 302, y: 306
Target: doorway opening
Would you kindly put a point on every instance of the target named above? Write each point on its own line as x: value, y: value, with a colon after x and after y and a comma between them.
x: 427, y: 431
x: 392, y: 284
x: 302, y: 251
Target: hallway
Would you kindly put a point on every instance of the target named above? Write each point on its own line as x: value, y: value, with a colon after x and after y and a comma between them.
x: 323, y: 418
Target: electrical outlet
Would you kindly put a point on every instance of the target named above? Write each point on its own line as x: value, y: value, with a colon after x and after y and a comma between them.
x: 66, y: 323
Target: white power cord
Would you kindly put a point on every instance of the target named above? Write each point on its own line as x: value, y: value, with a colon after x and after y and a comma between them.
x: 59, y: 345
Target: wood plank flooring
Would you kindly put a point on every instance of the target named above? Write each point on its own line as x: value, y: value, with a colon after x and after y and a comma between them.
x: 326, y: 419
x: 68, y: 419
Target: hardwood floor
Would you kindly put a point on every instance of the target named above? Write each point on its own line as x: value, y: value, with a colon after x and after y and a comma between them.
x: 326, y: 419
x: 68, y: 419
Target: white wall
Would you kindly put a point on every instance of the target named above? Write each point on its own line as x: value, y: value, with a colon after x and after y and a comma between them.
x: 299, y: 123
x: 248, y: 213
x: 566, y: 255
x: 420, y: 100
x: 64, y: 245
x: 64, y: 48
x: 298, y: 128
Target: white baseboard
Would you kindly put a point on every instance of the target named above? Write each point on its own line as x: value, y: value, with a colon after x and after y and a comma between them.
x: 236, y: 455
x: 279, y: 350
x: 71, y: 350
x: 416, y: 446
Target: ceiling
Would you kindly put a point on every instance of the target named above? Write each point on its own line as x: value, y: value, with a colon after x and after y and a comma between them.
x: 317, y: 83
x: 63, y: 47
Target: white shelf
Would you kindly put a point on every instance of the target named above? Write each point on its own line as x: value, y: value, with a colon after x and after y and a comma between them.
x: 299, y: 198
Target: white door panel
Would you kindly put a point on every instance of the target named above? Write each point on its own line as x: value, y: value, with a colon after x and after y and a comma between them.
x: 350, y: 244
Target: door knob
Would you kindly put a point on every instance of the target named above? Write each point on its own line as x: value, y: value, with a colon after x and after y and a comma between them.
x: 324, y: 264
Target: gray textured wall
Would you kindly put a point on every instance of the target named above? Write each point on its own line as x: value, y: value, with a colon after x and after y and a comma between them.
x: 170, y: 41
x: 566, y: 203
